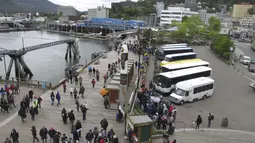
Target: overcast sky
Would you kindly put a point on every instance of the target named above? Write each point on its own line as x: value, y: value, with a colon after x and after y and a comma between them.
x: 83, y: 5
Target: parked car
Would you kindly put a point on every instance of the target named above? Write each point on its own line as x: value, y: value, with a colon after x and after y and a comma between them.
x: 245, y: 59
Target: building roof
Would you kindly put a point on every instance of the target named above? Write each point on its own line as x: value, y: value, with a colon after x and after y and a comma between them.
x: 140, y: 119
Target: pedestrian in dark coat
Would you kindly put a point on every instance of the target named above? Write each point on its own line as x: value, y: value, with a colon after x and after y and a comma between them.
x: 75, y: 136
x: 115, y: 139
x: 104, y: 124
x: 198, y: 121
x: 32, y: 113
x: 43, y: 134
x: 30, y: 94
x: 96, y: 133
x: 58, y: 97
x: 64, y: 115
x: 14, y: 136
x: 71, y: 117
x: 22, y: 113
x: 51, y: 133
x: 75, y: 93
x: 93, y: 83
x: 56, y: 137
x: 34, y: 134
x: 84, y: 111
x: 78, y: 127
x: 89, y: 136
x: 39, y: 101
x: 82, y: 90
x: 52, y: 97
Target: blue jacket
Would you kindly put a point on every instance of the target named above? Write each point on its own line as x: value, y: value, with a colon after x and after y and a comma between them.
x: 58, y: 96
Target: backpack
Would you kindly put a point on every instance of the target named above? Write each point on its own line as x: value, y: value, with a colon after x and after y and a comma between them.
x: 212, y: 117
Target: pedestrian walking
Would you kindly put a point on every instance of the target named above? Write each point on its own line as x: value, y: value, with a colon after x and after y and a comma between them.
x: 32, y: 113
x: 89, y: 136
x: 77, y: 104
x: 14, y: 136
x: 210, y: 118
x: 51, y: 133
x: 75, y: 136
x: 34, y: 134
x: 52, y: 97
x: 80, y: 80
x: 75, y: 93
x: 71, y: 117
x: 93, y: 82
x: 30, y: 94
x: 82, y: 90
x: 94, y: 71
x: 84, y: 111
x: 39, y: 101
x: 198, y: 121
x: 43, y: 134
x: 64, y: 139
x: 78, y: 127
x: 64, y: 115
x: 58, y: 97
x: 22, y: 113
x: 76, y: 80
x: 96, y: 133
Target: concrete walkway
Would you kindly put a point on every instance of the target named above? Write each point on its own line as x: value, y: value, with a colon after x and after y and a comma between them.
x: 50, y: 116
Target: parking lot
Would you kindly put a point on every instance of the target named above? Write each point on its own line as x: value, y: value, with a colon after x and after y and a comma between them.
x: 232, y: 97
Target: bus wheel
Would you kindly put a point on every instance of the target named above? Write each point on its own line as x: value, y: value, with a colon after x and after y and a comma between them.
x: 182, y: 102
x: 204, y: 97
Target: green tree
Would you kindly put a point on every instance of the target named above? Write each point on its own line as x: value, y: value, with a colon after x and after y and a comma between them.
x: 214, y: 24
x: 185, y: 18
x: 251, y: 11
x: 194, y: 25
x: 221, y: 46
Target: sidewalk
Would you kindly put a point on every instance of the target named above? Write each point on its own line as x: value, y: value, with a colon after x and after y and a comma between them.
x: 50, y: 116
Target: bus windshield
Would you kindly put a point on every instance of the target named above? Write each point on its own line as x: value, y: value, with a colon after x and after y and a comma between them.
x: 162, y: 81
x: 180, y: 92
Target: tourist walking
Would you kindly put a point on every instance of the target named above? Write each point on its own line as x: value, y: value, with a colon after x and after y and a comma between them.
x: 39, y: 101
x: 52, y: 97
x: 198, y: 121
x: 34, y: 134
x: 64, y: 115
x: 22, y: 114
x: 75, y: 136
x: 64, y: 86
x: 210, y: 118
x: 96, y: 133
x: 93, y: 82
x: 32, y: 113
x: 80, y: 80
x: 58, y: 97
x: 77, y: 104
x: 94, y: 71
x: 14, y: 136
x: 75, y: 93
x: 76, y: 80
x: 30, y: 94
x: 43, y: 134
x: 78, y: 127
x: 51, y: 133
x: 82, y: 90
x: 71, y: 117
x: 89, y: 136
x: 84, y: 111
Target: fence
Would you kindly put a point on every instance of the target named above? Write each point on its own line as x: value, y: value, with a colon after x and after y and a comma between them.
x: 29, y: 82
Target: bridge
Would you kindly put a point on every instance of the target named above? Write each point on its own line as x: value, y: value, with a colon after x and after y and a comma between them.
x: 21, y: 68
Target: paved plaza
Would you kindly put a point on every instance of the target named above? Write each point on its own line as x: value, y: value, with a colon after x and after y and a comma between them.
x: 50, y: 116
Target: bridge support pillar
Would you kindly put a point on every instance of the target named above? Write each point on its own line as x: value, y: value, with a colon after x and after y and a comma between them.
x: 72, y: 48
x: 19, y: 65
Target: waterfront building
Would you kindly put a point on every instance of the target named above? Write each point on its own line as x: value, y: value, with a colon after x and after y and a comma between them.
x: 6, y: 19
x: 20, y: 16
x: 99, y: 12
x: 191, y: 4
x: 247, y: 21
x: 174, y: 14
x: 204, y: 16
x: 241, y: 10
x: 67, y: 10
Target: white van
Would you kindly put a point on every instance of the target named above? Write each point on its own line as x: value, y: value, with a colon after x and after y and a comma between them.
x: 192, y: 90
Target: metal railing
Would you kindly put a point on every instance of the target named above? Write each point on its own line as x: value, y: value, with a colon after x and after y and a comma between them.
x: 29, y: 82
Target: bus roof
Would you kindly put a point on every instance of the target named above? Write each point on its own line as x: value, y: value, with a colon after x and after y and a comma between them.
x: 182, y: 72
x: 188, y: 85
x: 185, y: 65
x: 178, y: 44
x: 182, y: 61
x: 180, y: 54
x: 176, y: 48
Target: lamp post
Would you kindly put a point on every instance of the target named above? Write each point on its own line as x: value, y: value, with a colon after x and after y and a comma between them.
x: 230, y: 55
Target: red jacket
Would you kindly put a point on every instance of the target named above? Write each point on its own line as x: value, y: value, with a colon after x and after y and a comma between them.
x: 102, y: 141
x: 171, y: 108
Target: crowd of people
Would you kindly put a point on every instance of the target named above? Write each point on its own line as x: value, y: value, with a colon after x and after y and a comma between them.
x: 8, y: 92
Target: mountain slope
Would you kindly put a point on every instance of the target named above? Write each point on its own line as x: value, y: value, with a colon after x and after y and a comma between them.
x: 27, y: 6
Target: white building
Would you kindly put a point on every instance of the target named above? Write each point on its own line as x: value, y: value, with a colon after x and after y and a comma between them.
x: 20, y: 16
x: 39, y: 19
x: 159, y: 7
x: 204, y: 16
x: 67, y: 10
x: 99, y: 12
x: 6, y: 19
x: 174, y: 14
x: 247, y: 21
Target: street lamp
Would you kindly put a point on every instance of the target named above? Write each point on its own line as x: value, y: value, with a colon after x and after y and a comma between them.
x: 230, y: 55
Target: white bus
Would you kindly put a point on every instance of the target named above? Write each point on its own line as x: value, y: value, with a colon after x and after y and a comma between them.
x: 172, y: 50
x: 164, y: 83
x: 183, y: 65
x: 192, y: 90
x: 179, y: 44
x: 177, y: 57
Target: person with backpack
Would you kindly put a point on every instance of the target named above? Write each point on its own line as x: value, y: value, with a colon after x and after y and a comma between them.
x: 210, y: 118
x: 51, y: 133
x: 14, y: 136
x: 43, y: 134
x: 198, y: 121
x: 89, y: 136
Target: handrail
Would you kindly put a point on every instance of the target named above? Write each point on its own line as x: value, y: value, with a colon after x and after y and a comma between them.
x: 35, y: 83
x: 184, y: 124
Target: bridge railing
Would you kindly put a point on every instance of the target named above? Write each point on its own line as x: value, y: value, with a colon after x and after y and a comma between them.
x: 28, y: 82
